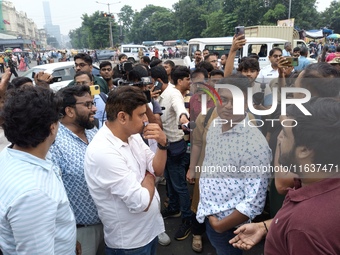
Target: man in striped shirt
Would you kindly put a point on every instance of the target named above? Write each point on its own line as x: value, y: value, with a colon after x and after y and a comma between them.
x: 35, y: 213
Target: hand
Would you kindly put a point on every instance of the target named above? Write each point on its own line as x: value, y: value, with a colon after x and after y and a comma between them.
x: 191, y: 175
x: 238, y: 43
x: 78, y: 248
x: 153, y: 131
x: 156, y: 93
x: 248, y: 235
x: 42, y: 78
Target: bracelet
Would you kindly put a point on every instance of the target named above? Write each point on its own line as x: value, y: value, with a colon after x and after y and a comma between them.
x: 265, y: 226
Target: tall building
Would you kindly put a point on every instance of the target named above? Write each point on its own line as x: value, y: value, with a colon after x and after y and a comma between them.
x: 52, y: 30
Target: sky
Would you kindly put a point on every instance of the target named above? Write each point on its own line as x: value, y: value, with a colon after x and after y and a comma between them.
x: 67, y: 13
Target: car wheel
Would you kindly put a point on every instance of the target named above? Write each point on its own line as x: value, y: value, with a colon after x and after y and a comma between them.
x: 132, y: 60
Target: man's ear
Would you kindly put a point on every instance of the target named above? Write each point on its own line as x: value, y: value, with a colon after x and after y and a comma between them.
x: 122, y: 117
x: 54, y: 128
x: 303, y: 153
x: 69, y: 111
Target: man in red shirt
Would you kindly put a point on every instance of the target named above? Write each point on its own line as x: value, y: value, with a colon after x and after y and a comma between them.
x: 308, y: 222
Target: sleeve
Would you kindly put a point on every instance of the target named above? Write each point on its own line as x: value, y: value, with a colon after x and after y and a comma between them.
x: 33, y: 231
x: 113, y: 175
x: 177, y: 103
x: 256, y: 179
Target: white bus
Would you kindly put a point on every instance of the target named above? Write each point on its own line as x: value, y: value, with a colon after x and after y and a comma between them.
x: 222, y: 45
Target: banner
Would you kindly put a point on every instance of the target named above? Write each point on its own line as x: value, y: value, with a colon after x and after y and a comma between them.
x: 286, y: 23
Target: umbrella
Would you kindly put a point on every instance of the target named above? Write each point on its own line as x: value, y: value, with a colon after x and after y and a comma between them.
x: 333, y: 36
x: 8, y: 50
x: 17, y: 50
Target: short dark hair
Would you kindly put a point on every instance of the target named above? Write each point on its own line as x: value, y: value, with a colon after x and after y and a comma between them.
x: 303, y: 51
x: 18, y: 82
x: 159, y: 72
x: 217, y: 72
x: 248, y: 63
x: 120, y: 56
x: 205, y: 65
x: 296, y: 49
x: 28, y: 113
x: 105, y: 63
x: 238, y: 80
x: 68, y: 95
x: 321, y: 79
x: 271, y: 52
x: 126, y: 99
x: 170, y: 63
x: 198, y: 71
x: 253, y: 55
x: 155, y: 62
x: 82, y: 73
x: 137, y: 73
x: 208, y: 56
x: 319, y: 131
x: 146, y: 59
x: 179, y: 72
x: 86, y: 57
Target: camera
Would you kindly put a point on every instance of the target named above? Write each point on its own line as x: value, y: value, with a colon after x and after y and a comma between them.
x: 124, y: 67
x: 143, y: 82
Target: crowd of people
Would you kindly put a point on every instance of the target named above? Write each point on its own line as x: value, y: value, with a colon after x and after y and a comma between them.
x: 81, y: 172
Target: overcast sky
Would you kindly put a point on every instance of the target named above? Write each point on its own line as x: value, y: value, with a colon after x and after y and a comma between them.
x: 67, y: 13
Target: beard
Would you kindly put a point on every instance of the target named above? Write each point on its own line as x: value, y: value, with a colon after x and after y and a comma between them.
x: 84, y: 122
x: 288, y: 159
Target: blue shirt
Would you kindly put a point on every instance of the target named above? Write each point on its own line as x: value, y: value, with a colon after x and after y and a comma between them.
x: 68, y: 152
x: 35, y: 213
x: 303, y: 62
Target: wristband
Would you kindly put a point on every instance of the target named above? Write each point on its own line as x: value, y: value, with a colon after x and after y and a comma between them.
x: 265, y: 226
x: 164, y: 148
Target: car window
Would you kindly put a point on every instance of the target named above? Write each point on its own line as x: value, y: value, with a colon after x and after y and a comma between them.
x: 134, y: 50
x: 66, y: 73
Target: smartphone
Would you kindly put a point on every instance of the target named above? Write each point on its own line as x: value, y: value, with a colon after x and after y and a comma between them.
x: 33, y: 75
x: 94, y: 90
x: 158, y: 86
x: 292, y: 61
x: 239, y: 30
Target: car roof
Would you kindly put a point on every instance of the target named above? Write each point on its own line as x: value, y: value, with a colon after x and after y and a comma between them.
x: 230, y: 40
x: 57, y: 65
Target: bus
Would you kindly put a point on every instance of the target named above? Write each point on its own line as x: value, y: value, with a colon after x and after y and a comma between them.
x: 152, y: 43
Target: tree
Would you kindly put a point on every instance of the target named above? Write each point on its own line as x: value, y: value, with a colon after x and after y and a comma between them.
x: 126, y: 17
x: 331, y: 17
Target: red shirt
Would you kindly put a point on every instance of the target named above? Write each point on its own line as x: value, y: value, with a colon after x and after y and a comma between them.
x: 308, y: 222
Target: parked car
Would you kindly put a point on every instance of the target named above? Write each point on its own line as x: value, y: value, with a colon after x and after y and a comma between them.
x: 63, y: 70
x: 106, y: 54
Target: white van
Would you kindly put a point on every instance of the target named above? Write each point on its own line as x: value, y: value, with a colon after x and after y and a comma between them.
x: 131, y: 50
x: 222, y: 45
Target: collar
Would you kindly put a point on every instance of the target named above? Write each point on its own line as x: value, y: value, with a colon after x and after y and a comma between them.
x: 64, y: 129
x: 313, y: 190
x: 114, y: 140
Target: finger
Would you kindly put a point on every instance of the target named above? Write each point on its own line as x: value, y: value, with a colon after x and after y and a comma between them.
x: 239, y: 230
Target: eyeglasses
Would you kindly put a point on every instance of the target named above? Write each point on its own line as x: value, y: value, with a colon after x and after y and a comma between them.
x: 106, y: 69
x: 277, y: 56
x: 81, y: 65
x: 82, y: 83
x: 88, y: 104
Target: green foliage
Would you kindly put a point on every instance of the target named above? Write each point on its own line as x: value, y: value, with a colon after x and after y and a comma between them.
x: 198, y: 18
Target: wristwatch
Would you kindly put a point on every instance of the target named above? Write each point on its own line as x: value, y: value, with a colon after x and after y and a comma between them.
x: 164, y: 148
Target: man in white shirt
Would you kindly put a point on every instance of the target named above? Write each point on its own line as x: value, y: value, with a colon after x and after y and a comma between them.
x: 270, y: 72
x: 120, y: 172
x: 197, y: 60
x: 287, y: 51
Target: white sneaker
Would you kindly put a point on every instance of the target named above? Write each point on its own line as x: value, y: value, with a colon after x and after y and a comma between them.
x: 164, y: 239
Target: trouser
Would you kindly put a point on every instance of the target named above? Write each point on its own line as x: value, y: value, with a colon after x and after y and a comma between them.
x: 91, y: 239
x: 13, y: 71
x: 149, y: 249
x: 220, y: 241
x: 175, y: 175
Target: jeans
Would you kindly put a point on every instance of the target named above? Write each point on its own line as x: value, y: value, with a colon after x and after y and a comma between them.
x: 175, y: 175
x: 149, y: 249
x: 220, y: 241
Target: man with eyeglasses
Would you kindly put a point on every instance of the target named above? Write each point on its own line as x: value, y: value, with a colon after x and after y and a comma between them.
x: 83, y: 62
x: 106, y: 72
x: 76, y: 131
x: 271, y: 71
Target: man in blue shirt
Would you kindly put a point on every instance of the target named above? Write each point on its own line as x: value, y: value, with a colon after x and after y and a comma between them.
x: 35, y: 214
x: 303, y: 61
x: 75, y: 133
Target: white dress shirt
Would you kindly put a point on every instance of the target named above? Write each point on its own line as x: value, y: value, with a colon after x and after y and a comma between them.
x: 266, y: 74
x: 114, y: 171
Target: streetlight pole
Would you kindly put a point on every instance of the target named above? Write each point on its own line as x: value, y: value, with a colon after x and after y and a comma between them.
x: 290, y: 7
x: 110, y: 20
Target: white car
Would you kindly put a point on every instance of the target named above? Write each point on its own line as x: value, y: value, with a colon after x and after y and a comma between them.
x: 63, y: 70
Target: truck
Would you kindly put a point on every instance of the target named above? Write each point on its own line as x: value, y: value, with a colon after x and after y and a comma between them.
x: 280, y: 32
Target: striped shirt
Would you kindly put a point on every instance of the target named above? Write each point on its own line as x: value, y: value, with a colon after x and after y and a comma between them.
x: 35, y: 213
